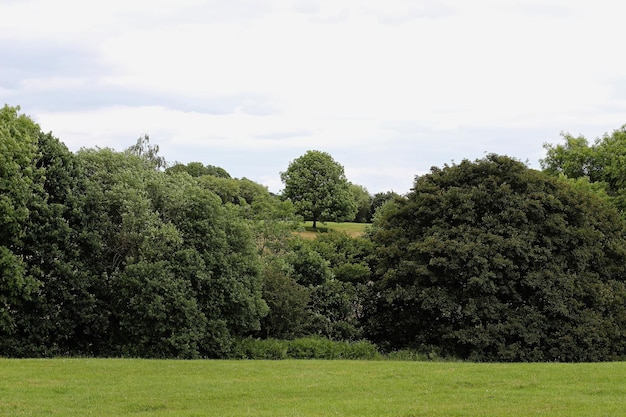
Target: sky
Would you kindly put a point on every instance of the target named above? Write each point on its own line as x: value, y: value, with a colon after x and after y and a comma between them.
x: 389, y: 88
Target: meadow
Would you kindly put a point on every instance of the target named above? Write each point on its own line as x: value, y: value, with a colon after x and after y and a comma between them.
x: 352, y: 229
x: 131, y: 387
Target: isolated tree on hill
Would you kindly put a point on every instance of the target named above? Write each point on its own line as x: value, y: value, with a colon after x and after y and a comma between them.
x: 490, y: 260
x: 318, y: 187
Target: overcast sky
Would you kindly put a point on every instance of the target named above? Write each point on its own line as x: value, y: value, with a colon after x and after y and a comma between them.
x: 388, y: 87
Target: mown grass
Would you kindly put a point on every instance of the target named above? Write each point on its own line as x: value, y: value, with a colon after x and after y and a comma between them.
x: 125, y: 387
x: 352, y: 229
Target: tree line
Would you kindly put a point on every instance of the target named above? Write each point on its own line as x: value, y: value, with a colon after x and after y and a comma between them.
x: 117, y: 253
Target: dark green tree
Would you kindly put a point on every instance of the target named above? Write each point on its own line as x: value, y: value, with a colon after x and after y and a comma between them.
x: 287, y: 300
x: 381, y: 198
x: 490, y: 260
x: 318, y: 188
x: 62, y: 316
x: 178, y: 271
x: 20, y: 189
x: 57, y: 312
x: 229, y: 289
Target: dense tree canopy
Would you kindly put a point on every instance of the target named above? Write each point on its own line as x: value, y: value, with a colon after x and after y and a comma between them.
x: 106, y: 253
x: 20, y: 189
x: 318, y: 188
x: 198, y: 169
x: 490, y: 260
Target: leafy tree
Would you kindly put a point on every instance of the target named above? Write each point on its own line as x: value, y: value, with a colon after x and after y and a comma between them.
x: 62, y: 315
x: 227, y: 189
x: 381, y: 198
x: 601, y: 163
x: 229, y: 290
x: 197, y: 169
x: 348, y: 257
x: 309, y: 267
x: 318, y: 188
x: 287, y: 301
x: 334, y: 268
x: 147, y: 152
x: 363, y: 201
x: 334, y: 310
x: 56, y: 311
x: 19, y: 189
x: 490, y: 260
x: 179, y: 272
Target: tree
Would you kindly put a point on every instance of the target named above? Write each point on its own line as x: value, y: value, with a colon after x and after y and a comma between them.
x: 62, y: 315
x: 149, y: 153
x: 177, y: 272
x: 197, y: 169
x: 381, y: 198
x: 490, y: 260
x: 318, y: 187
x: 601, y: 163
x: 363, y: 201
x: 287, y: 301
x: 20, y: 189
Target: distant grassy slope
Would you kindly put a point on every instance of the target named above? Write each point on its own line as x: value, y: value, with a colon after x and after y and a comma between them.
x: 129, y: 387
x: 353, y: 229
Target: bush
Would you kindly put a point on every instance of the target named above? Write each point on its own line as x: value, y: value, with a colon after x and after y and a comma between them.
x: 493, y: 261
x: 304, y: 348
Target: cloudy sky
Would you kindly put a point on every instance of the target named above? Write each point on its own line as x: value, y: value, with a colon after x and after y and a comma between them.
x: 388, y: 87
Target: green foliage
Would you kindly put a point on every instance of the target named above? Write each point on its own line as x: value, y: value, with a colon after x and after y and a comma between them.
x: 318, y: 188
x: 241, y: 192
x: 107, y: 255
x: 381, y: 198
x: 335, y: 307
x: 490, y: 260
x: 363, y: 201
x: 197, y: 169
x: 602, y: 164
x: 20, y: 190
x: 287, y: 302
x: 62, y: 315
x: 309, y: 267
x: 334, y: 269
x: 229, y: 287
x: 147, y: 152
x: 348, y: 257
x: 304, y: 348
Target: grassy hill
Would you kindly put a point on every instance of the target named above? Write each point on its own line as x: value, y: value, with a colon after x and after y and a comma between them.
x: 353, y: 229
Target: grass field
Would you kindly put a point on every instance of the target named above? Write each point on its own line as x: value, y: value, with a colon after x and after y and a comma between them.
x: 125, y: 387
x: 353, y: 229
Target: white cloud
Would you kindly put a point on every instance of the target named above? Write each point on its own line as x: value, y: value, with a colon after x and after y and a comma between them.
x: 402, y: 84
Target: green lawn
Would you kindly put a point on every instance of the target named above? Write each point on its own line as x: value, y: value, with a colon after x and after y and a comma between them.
x: 353, y: 229
x: 125, y: 387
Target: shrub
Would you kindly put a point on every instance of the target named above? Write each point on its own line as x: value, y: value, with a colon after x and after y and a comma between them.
x: 304, y: 348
